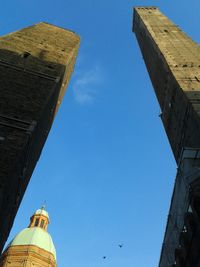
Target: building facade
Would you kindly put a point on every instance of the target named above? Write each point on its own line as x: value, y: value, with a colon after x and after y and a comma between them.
x: 173, y: 62
x: 35, y: 67
x: 33, y: 246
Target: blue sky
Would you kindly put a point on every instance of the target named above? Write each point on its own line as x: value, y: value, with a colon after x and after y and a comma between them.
x: 106, y: 171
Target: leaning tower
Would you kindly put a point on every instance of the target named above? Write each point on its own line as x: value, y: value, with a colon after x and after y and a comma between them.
x: 35, y: 68
x: 173, y: 62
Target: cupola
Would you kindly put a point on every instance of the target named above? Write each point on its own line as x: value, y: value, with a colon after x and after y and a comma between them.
x: 39, y: 219
x: 32, y: 245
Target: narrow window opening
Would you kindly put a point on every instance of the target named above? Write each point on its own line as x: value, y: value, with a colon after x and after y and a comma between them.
x: 26, y: 54
x: 36, y: 222
x: 50, y: 67
x: 42, y: 224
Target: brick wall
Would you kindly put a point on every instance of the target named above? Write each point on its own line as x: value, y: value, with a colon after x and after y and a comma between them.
x: 173, y: 63
x: 35, y: 67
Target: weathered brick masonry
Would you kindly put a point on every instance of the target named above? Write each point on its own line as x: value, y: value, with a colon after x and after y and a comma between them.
x: 173, y: 63
x: 35, y: 67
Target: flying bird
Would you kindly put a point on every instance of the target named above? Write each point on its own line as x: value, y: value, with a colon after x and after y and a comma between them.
x: 120, y: 245
x: 104, y: 257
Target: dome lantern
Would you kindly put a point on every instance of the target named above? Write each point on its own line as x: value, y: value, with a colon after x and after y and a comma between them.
x: 40, y: 219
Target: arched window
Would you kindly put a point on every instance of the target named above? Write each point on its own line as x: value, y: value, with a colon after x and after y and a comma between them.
x: 36, y: 222
x: 42, y: 224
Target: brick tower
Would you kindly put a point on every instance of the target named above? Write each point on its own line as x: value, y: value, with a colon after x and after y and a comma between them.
x: 33, y: 246
x: 35, y: 67
x: 173, y: 63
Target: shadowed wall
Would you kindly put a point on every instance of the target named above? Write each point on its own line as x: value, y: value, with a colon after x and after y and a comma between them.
x: 173, y: 63
x: 35, y: 67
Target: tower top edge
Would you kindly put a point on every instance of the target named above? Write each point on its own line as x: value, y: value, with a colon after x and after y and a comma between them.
x: 135, y: 8
x: 56, y: 26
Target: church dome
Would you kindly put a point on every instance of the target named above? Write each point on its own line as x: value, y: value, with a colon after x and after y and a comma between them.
x: 36, y: 233
x: 35, y: 236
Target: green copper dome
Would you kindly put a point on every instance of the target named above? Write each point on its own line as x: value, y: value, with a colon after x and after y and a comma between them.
x: 35, y: 236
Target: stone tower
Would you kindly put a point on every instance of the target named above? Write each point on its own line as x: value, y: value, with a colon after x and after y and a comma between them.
x: 33, y: 246
x: 173, y: 63
x: 35, y: 67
